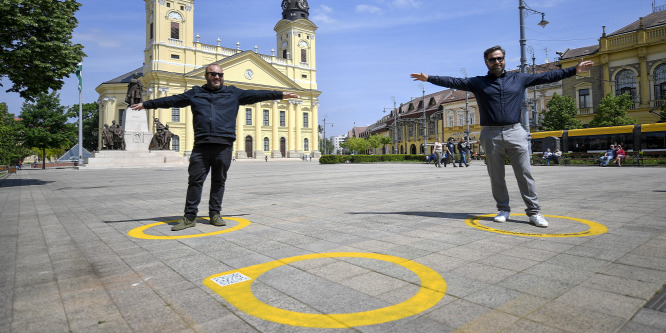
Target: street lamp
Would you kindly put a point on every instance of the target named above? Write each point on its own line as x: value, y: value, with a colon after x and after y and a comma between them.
x: 463, y: 71
x: 535, y: 114
x: 395, y: 127
x: 425, y: 128
x: 524, y: 11
x: 326, y: 143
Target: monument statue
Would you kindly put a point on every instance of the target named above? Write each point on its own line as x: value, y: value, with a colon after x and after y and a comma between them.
x: 134, y: 91
x: 162, y: 137
x: 107, y: 138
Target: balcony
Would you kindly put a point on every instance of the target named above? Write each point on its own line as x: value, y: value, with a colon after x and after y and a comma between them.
x: 584, y: 111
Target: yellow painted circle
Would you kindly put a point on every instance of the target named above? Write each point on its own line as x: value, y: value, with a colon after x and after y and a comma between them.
x: 139, y: 232
x: 433, y: 288
x: 595, y: 228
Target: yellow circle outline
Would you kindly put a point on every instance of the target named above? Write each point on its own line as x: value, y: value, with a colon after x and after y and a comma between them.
x: 433, y: 288
x: 595, y: 228
x: 139, y: 232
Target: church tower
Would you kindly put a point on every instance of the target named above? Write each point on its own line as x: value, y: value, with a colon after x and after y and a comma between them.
x: 296, y: 36
x: 169, y: 28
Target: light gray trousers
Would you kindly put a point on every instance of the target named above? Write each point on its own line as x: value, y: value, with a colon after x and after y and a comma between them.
x: 499, y: 142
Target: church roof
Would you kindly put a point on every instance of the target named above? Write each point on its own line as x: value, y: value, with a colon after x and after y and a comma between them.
x: 125, y: 78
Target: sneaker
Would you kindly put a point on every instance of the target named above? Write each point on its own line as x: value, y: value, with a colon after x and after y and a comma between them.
x: 502, y: 216
x: 184, y: 223
x: 538, y: 220
x: 217, y: 220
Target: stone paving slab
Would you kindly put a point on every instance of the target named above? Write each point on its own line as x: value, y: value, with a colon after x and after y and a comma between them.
x: 69, y: 264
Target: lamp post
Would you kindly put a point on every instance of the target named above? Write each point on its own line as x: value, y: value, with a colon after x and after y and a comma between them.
x: 425, y: 128
x: 534, y: 100
x: 326, y: 143
x: 524, y: 11
x: 395, y: 127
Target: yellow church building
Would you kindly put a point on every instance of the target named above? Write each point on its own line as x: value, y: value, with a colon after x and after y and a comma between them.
x: 175, y: 61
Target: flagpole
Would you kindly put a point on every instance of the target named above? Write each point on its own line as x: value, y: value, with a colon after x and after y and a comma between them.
x: 79, y: 69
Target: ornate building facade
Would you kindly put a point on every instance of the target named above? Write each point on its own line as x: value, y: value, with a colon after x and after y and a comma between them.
x: 175, y: 61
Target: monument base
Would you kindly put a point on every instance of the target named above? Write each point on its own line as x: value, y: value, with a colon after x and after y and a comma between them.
x: 111, y: 159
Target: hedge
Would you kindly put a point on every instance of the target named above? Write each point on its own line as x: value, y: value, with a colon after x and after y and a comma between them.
x: 333, y: 159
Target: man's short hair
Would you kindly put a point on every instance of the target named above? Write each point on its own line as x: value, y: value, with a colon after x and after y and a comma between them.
x: 491, y: 50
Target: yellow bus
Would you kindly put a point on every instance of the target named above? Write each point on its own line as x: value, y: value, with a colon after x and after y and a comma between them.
x: 643, y: 137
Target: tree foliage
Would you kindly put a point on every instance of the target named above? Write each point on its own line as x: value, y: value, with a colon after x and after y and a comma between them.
x: 560, y: 114
x: 10, y: 145
x: 90, y: 113
x: 612, y: 111
x: 45, y: 123
x: 356, y: 144
x: 35, y: 42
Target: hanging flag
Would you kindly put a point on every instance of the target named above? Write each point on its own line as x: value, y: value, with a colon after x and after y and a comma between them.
x: 79, y: 68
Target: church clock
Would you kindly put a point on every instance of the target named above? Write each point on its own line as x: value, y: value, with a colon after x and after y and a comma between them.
x: 303, y: 4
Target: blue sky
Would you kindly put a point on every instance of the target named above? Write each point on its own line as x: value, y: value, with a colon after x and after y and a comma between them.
x: 366, y: 49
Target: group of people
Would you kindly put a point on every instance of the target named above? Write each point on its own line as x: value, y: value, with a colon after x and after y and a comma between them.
x: 550, y: 156
x: 615, y: 153
x: 499, y: 95
x: 446, y: 153
x: 113, y: 137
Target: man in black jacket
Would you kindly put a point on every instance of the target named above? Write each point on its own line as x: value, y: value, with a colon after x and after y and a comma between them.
x: 214, y: 111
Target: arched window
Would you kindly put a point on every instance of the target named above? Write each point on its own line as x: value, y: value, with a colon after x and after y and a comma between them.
x: 266, y: 144
x: 306, y: 145
x: 625, y: 83
x: 175, y: 143
x: 660, y: 82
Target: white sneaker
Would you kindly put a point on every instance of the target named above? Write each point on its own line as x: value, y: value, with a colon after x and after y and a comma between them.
x: 538, y: 220
x: 502, y: 216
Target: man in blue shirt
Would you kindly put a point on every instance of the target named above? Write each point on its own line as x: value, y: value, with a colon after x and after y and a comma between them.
x: 214, y: 110
x: 608, y: 156
x: 499, y: 96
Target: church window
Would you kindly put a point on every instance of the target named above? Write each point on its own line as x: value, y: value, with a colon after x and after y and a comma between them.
x: 168, y: 4
x: 175, y: 56
x: 303, y: 76
x: 306, y: 144
x: 175, y: 30
x: 266, y: 144
x: 304, y: 55
x: 305, y: 120
x: 121, y: 113
x: 266, y: 117
x: 152, y: 35
x: 282, y: 118
x: 175, y: 143
x: 248, y: 116
x: 175, y: 115
x: 182, y: 7
x: 284, y: 54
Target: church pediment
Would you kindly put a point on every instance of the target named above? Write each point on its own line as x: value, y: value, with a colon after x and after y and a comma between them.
x: 248, y: 70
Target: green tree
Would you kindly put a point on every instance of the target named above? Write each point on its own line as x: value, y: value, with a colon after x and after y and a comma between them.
x: 560, y: 114
x: 35, y: 43
x: 356, y: 144
x: 612, y: 111
x: 326, y: 146
x: 375, y: 141
x: 10, y: 145
x: 90, y: 113
x: 45, y: 124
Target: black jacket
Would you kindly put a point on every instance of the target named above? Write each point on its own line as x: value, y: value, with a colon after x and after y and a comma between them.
x: 214, y: 112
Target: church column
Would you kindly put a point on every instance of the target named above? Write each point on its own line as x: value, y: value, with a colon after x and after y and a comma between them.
x: 240, y: 139
x: 275, y: 138
x: 291, y: 116
x: 258, y: 138
x: 643, y: 77
x: 315, y: 130
x: 297, y: 128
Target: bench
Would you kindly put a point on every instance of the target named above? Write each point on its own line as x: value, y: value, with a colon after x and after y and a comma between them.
x: 639, y: 160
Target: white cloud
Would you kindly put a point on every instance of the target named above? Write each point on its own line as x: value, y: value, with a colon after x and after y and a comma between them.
x: 322, y: 14
x: 368, y: 9
x: 407, y: 3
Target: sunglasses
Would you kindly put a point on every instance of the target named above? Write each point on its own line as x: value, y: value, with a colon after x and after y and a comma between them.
x: 493, y: 60
x: 214, y: 74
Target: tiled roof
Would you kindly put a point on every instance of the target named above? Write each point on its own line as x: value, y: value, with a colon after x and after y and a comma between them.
x: 649, y: 21
x: 580, y: 52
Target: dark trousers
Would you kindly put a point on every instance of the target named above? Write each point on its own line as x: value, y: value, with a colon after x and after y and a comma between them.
x: 216, y: 159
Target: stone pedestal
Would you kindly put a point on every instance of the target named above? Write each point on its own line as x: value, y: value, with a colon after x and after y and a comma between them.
x: 136, y: 153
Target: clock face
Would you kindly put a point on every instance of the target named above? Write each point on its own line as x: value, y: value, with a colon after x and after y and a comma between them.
x: 249, y: 74
x: 303, y: 4
x: 285, y: 4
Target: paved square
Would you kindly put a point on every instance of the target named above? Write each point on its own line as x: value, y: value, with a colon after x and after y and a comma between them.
x: 69, y: 264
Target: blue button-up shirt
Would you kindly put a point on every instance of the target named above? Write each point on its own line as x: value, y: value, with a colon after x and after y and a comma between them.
x: 500, y: 98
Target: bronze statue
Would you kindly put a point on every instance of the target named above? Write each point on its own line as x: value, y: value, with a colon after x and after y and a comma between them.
x: 118, y: 136
x: 134, y: 91
x: 162, y: 138
x: 107, y: 138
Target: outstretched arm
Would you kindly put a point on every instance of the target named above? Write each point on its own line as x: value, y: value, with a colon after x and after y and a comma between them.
x: 419, y: 77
